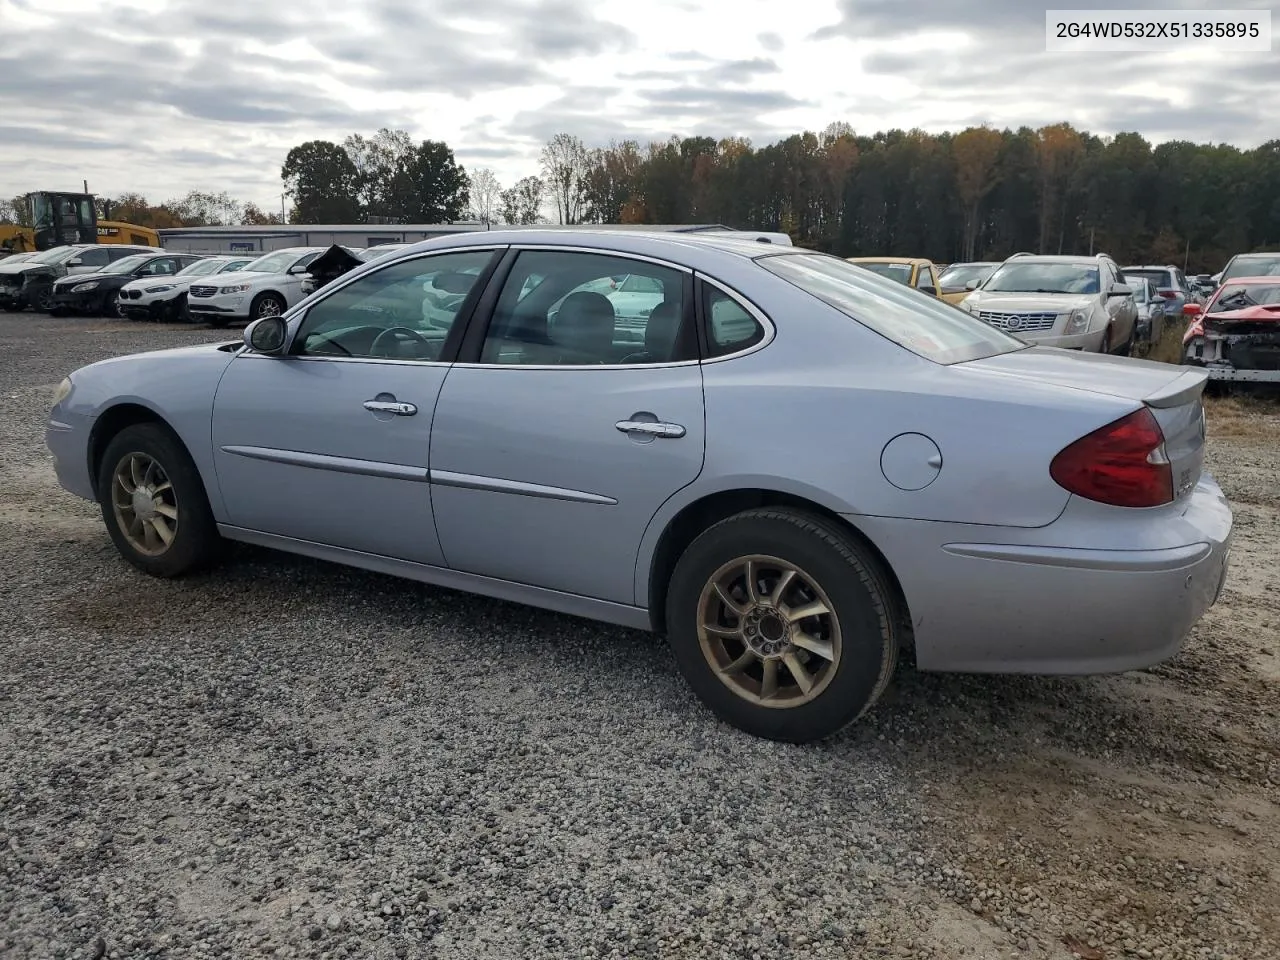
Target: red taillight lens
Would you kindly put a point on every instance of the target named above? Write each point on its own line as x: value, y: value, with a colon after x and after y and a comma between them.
x: 1169, y: 294
x: 1123, y: 464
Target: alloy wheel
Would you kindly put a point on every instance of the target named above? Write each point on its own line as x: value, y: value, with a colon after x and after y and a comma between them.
x: 144, y: 504
x: 768, y: 631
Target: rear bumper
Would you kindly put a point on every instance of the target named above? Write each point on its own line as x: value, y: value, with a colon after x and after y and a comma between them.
x: 1048, y: 601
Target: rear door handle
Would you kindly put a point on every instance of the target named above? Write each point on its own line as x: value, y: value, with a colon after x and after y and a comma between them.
x: 399, y: 408
x: 647, y: 428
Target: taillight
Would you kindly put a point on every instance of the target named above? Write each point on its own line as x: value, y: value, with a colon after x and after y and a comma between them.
x: 1168, y: 294
x: 1123, y: 464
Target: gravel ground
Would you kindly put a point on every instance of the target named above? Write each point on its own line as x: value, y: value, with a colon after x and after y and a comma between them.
x: 285, y: 758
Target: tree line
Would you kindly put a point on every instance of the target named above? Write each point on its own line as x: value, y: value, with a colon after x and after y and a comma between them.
x: 198, y: 208
x: 981, y: 193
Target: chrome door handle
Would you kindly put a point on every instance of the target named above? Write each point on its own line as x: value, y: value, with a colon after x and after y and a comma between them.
x: 391, y: 406
x: 673, y: 430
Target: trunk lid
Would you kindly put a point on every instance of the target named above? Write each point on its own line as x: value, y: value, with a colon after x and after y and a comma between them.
x: 1173, y: 394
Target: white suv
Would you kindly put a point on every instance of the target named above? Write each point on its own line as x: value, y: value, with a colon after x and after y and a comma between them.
x: 1080, y: 303
x: 165, y: 298
x: 265, y: 287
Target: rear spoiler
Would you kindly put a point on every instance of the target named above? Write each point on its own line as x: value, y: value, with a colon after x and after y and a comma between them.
x: 1181, y: 389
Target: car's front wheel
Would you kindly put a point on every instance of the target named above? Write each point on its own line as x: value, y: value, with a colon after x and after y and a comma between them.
x: 154, y: 503
x: 783, y: 624
x: 266, y: 305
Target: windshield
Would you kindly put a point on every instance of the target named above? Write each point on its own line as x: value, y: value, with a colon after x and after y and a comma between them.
x: 233, y: 265
x: 1241, y: 295
x: 1030, y: 276
x: 959, y: 274
x: 56, y: 255
x: 199, y: 269
x: 128, y: 264
x: 915, y: 321
x: 372, y: 253
x: 894, y: 271
x: 1253, y: 265
x: 278, y: 262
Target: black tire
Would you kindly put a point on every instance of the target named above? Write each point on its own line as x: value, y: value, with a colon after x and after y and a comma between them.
x: 263, y: 301
x: 176, y: 310
x: 42, y: 300
x: 12, y: 307
x: 57, y: 312
x: 841, y: 567
x: 196, y: 542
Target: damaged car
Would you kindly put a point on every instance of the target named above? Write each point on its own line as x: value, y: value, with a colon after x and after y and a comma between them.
x: 1237, y: 337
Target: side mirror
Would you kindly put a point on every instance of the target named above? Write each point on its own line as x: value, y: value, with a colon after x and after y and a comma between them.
x: 76, y: 262
x: 1192, y: 310
x: 1120, y: 290
x: 971, y: 285
x: 298, y: 268
x: 266, y: 335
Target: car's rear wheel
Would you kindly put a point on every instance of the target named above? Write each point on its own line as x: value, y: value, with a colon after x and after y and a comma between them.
x: 154, y: 503
x: 783, y: 624
x: 44, y: 300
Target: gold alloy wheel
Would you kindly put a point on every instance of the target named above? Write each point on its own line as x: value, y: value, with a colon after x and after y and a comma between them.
x: 768, y: 631
x: 145, y: 507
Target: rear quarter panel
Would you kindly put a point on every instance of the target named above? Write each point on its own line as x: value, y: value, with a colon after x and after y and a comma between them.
x: 811, y: 413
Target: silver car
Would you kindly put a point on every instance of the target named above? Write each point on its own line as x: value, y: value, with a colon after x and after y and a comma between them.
x: 800, y: 470
x: 1080, y: 303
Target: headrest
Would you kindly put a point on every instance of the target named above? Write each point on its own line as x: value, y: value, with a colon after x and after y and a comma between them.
x: 585, y: 324
x: 660, y: 332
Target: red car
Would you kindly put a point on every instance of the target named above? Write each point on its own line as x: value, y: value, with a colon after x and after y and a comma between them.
x: 1237, y: 335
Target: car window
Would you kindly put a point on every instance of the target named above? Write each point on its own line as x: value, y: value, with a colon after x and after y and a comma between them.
x: 161, y: 267
x: 402, y: 312
x: 894, y: 271
x: 1032, y: 276
x: 1240, y: 296
x: 925, y: 325
x: 94, y: 258
x: 925, y: 279
x: 730, y: 326
x: 559, y: 308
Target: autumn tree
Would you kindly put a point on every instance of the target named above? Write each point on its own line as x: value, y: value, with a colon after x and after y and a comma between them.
x: 976, y: 152
x: 1059, y: 150
x: 611, y: 182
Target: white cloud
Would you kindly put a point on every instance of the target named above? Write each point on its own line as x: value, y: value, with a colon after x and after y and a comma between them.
x: 162, y: 97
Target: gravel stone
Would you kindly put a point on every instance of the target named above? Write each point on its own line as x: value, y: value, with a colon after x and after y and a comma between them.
x: 287, y: 758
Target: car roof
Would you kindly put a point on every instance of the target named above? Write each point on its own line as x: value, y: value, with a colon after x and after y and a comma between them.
x: 912, y: 260
x: 1249, y: 280
x: 1055, y: 258
x: 655, y: 242
x: 1150, y: 266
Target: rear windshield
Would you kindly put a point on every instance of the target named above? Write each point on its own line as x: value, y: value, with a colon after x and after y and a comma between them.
x: 1159, y: 277
x: 915, y: 321
x: 1266, y: 265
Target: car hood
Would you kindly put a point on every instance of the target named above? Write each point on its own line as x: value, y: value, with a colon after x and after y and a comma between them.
x: 235, y: 276
x: 1045, y: 302
x: 75, y: 278
x: 24, y: 266
x: 1262, y: 313
x: 1123, y: 377
x: 151, y: 282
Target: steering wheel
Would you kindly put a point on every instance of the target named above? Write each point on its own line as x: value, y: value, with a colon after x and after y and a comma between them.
x: 399, y: 334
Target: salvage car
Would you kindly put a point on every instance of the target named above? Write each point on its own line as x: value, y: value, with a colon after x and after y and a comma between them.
x: 1250, y: 265
x: 1078, y: 303
x: 29, y: 282
x: 1152, y: 308
x: 516, y: 455
x: 164, y: 299
x: 96, y: 293
x: 1237, y: 337
x: 911, y: 271
x: 266, y: 287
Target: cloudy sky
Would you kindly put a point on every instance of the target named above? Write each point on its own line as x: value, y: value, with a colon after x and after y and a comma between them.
x: 163, y: 96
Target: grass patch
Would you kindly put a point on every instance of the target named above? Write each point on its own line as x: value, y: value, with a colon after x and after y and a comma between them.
x: 1243, y: 417
x: 1169, y: 347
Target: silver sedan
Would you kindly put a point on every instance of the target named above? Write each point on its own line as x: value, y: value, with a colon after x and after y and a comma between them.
x: 799, y: 469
